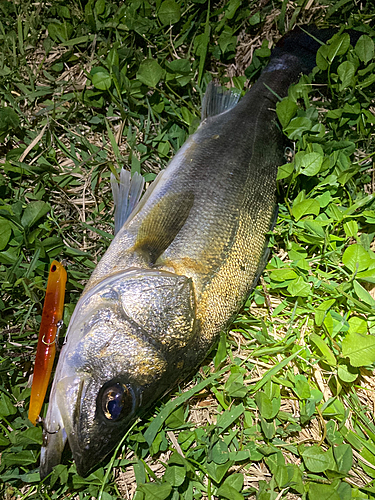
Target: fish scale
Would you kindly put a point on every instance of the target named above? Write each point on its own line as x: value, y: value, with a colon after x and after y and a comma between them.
x: 178, y: 270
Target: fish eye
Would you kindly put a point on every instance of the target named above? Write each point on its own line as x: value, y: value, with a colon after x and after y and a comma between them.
x: 117, y: 401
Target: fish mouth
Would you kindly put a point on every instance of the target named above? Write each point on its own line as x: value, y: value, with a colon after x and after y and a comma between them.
x: 63, y: 410
x: 50, y: 455
x: 71, y: 392
x: 54, y: 439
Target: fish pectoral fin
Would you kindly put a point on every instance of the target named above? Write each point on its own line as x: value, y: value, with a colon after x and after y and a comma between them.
x: 126, y: 195
x: 161, y: 226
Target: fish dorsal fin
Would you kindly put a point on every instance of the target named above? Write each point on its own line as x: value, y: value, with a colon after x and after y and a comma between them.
x: 216, y: 100
x: 162, y: 224
x: 126, y: 195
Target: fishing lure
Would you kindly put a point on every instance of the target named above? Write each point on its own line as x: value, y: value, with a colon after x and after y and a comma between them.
x: 48, y: 334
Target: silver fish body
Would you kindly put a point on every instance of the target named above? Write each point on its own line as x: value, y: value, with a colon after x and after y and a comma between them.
x: 174, y: 276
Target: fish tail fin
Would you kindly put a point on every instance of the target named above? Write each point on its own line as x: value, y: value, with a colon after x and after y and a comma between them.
x: 303, y: 43
x: 126, y: 195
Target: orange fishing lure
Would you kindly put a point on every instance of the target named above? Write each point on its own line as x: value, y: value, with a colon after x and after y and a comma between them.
x: 49, y: 326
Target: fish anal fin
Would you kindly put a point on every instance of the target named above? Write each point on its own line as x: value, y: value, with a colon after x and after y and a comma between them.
x: 162, y: 224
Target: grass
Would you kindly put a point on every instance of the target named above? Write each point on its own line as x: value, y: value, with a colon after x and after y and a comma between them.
x: 283, y: 407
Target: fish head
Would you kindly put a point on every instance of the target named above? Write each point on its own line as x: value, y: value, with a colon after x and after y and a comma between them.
x: 124, y: 350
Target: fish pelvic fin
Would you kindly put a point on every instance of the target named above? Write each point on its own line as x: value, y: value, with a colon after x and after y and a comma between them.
x: 162, y: 224
x: 126, y: 195
x: 217, y: 100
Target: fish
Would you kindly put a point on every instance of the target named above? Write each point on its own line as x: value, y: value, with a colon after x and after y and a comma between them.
x: 182, y: 263
x: 50, y: 325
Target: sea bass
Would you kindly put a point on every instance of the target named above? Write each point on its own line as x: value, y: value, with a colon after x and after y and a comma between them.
x: 178, y: 269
